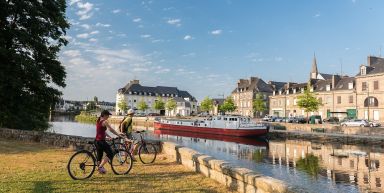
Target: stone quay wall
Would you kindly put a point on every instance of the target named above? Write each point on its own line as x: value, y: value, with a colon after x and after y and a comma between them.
x: 235, y: 178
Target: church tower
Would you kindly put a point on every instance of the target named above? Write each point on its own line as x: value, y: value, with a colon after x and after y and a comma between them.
x: 314, y: 72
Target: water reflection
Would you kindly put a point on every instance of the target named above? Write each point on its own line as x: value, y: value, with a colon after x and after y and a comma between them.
x: 309, y: 164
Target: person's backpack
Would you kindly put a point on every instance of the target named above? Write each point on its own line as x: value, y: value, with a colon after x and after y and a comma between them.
x: 121, y: 129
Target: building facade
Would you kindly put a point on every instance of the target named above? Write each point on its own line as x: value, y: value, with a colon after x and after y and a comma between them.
x: 133, y: 93
x: 340, y: 96
x: 246, y: 91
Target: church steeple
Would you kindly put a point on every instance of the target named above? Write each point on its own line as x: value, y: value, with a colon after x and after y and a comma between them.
x: 314, y: 72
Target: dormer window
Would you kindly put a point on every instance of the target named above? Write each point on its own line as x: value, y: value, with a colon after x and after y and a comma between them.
x: 274, y: 93
x: 328, y: 87
x: 350, y: 85
x: 279, y: 91
x: 302, y: 90
x: 294, y: 91
x: 363, y: 70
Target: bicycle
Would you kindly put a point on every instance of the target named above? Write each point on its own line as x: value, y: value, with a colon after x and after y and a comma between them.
x: 83, y: 163
x: 147, y: 151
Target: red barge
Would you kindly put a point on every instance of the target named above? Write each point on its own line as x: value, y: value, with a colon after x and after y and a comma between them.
x: 220, y: 125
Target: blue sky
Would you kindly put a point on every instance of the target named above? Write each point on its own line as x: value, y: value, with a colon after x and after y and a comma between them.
x: 204, y: 47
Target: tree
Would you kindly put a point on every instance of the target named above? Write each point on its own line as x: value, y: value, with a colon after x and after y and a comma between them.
x: 122, y: 106
x: 308, y: 101
x: 159, y: 104
x: 206, y: 104
x: 228, y: 105
x: 142, y: 105
x: 171, y: 105
x: 31, y: 36
x: 258, y: 104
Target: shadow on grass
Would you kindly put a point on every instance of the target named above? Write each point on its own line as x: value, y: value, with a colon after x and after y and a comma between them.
x: 15, y: 147
x: 42, y: 186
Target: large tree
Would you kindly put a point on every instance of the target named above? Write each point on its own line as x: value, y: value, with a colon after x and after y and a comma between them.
x: 206, y: 105
x: 228, y: 105
x: 308, y: 101
x: 258, y: 104
x: 31, y: 35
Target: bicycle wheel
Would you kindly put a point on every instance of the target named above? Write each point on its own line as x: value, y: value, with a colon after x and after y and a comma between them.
x: 121, y: 162
x: 81, y: 165
x: 147, y: 153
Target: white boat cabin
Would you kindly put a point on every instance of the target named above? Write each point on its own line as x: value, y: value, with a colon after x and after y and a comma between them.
x: 224, y: 121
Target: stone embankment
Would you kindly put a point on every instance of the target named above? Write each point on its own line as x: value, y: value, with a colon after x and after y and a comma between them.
x: 327, y: 133
x: 235, y: 178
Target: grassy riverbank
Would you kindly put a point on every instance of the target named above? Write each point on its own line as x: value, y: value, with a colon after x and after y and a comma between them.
x: 31, y: 167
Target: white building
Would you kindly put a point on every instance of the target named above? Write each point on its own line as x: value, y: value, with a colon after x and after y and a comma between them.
x: 133, y: 93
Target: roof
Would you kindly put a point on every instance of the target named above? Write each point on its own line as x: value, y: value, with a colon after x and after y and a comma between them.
x: 218, y: 101
x: 277, y: 85
x: 135, y: 87
x: 344, y: 82
x: 326, y: 76
x: 375, y: 65
x: 254, y: 84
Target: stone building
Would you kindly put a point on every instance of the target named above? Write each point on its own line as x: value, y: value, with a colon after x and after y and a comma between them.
x: 133, y: 93
x: 340, y: 96
x: 246, y: 91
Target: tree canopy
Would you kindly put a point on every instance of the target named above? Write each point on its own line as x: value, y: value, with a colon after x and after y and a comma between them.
x: 308, y: 101
x: 228, y: 105
x: 206, y: 104
x: 31, y: 35
x: 122, y: 105
x: 158, y: 104
x: 142, y: 105
x: 258, y: 104
x: 171, y: 104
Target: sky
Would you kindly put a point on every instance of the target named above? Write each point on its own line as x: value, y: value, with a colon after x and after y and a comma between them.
x: 205, y: 47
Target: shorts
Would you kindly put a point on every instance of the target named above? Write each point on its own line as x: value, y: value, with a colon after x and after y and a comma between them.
x: 103, y: 146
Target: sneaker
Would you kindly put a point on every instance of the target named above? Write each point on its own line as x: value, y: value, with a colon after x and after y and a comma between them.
x: 102, y: 170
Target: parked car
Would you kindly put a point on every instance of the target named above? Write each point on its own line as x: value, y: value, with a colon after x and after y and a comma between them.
x: 300, y: 120
x: 331, y: 120
x: 278, y: 119
x: 374, y: 124
x: 291, y: 119
x: 315, y: 119
x: 269, y: 118
x: 153, y: 114
x: 355, y: 123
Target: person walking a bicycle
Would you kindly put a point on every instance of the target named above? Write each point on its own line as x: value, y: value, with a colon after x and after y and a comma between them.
x: 126, y: 126
x: 100, y: 142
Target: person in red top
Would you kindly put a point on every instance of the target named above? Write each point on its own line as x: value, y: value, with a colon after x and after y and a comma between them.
x: 101, y: 145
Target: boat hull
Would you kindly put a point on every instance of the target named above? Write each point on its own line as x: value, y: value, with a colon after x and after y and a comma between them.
x: 208, y: 130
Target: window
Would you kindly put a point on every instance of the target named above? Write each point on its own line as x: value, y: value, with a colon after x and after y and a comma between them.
x: 338, y: 99
x: 328, y: 87
x: 350, y: 98
x: 350, y: 85
x: 364, y: 86
x: 376, y: 85
x: 363, y: 70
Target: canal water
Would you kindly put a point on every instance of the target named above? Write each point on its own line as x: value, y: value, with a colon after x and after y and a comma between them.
x: 305, y: 165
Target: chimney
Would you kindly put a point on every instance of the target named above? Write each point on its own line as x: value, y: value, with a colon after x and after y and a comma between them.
x: 134, y: 82
x: 335, y: 80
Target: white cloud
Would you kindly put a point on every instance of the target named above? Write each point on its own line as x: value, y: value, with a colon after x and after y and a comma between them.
x: 116, y: 11
x: 216, y: 32
x: 92, y: 40
x: 84, y: 10
x: 83, y: 35
x: 136, y: 20
x: 94, y: 32
x: 71, y: 2
x: 102, y: 25
x: 317, y: 15
x: 145, y: 36
x: 72, y: 53
x: 188, y: 37
x: 174, y: 22
x: 85, y: 26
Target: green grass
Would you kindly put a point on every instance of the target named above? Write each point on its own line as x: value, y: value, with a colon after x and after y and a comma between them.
x: 32, y: 167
